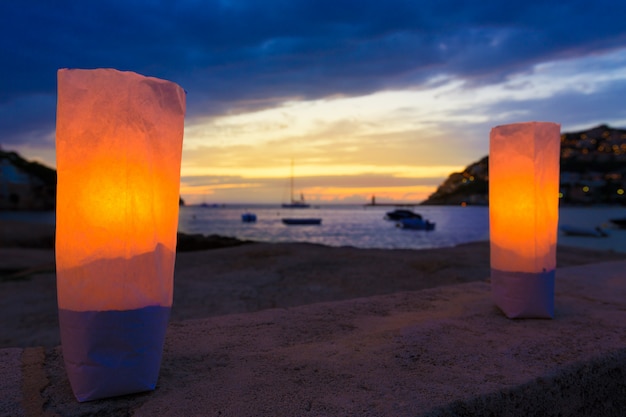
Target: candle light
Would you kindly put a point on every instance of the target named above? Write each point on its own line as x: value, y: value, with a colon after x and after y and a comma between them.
x: 118, y: 146
x: 523, y: 216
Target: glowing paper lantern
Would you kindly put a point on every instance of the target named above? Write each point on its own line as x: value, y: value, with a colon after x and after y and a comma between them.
x: 523, y: 215
x: 119, y: 142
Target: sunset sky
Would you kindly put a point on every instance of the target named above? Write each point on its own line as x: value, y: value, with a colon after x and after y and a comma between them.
x: 382, y: 98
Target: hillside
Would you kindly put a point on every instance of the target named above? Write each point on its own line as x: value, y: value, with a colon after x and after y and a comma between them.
x: 25, y: 185
x: 593, y: 171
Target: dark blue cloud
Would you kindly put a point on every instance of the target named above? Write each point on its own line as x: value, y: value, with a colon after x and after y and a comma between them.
x: 243, y: 53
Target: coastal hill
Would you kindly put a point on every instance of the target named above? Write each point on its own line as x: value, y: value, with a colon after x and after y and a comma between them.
x: 25, y: 185
x: 593, y: 171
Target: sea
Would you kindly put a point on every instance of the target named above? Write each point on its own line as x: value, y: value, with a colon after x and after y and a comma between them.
x: 365, y: 226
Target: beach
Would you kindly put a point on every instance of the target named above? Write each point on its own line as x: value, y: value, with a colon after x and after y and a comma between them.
x: 246, y: 287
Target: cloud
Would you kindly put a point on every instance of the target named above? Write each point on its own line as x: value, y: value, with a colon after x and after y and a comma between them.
x: 400, y: 132
x: 242, y: 55
x: 28, y: 119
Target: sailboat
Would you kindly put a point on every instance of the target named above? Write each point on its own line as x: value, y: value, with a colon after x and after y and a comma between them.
x: 295, y: 203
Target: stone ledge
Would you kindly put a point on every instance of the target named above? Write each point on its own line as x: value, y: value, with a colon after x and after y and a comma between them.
x: 438, y: 352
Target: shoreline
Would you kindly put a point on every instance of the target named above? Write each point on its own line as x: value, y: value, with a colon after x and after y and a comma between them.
x: 254, y: 277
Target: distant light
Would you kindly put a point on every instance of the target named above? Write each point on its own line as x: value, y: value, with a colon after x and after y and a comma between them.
x: 560, y: 195
x: 620, y: 191
x: 586, y: 189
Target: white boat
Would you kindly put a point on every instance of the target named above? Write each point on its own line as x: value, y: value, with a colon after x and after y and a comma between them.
x: 303, y: 221
x: 295, y: 203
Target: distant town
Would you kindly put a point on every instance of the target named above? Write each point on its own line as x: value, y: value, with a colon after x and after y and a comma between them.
x: 593, y: 171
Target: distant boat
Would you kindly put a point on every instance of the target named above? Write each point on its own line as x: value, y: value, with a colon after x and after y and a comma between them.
x: 295, y: 203
x: 214, y: 205
x: 248, y: 217
x: 400, y: 214
x: 415, y: 224
x: 582, y: 231
x: 621, y: 223
x: 304, y: 221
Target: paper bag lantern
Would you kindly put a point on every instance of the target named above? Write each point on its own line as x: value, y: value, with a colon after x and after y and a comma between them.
x: 119, y: 142
x: 523, y: 215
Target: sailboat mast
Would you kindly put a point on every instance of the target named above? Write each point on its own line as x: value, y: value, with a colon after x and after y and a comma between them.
x: 301, y: 203
x: 291, y: 181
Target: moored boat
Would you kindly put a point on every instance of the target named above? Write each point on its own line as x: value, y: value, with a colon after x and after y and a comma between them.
x: 400, y: 214
x: 415, y: 224
x: 582, y: 231
x: 248, y: 217
x: 295, y: 203
x: 621, y: 223
x: 302, y: 221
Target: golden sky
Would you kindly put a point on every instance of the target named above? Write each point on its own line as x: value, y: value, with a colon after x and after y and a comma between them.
x: 396, y: 145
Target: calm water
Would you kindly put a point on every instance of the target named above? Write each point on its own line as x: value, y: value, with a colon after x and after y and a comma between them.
x: 357, y: 226
x: 365, y: 227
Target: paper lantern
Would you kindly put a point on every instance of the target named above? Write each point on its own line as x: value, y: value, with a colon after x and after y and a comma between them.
x: 119, y: 143
x: 523, y: 216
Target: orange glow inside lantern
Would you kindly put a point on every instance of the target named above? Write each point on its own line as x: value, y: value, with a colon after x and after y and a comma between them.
x: 523, y: 216
x: 119, y: 145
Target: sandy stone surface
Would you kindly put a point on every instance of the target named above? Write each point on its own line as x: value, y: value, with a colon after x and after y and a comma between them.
x: 254, y: 277
x: 444, y: 351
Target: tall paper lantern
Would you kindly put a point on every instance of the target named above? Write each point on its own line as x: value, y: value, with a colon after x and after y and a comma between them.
x: 523, y: 215
x: 119, y: 142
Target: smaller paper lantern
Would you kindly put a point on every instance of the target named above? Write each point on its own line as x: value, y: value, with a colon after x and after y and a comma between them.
x: 119, y: 144
x: 523, y: 217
